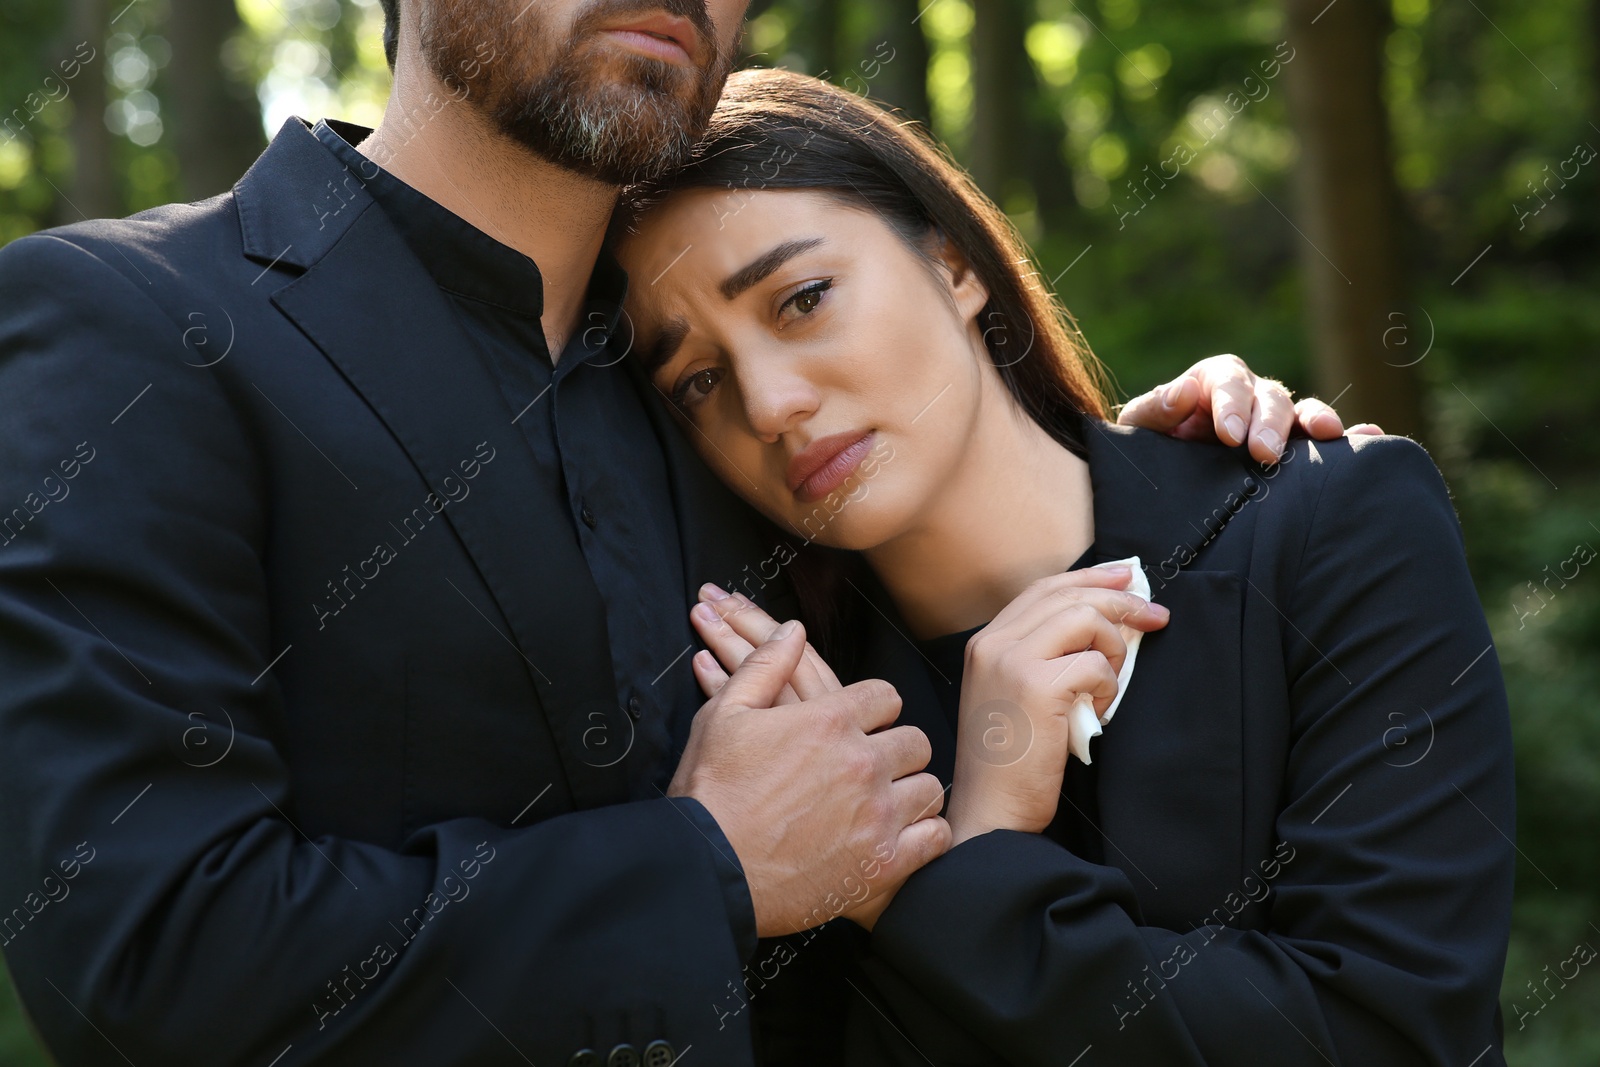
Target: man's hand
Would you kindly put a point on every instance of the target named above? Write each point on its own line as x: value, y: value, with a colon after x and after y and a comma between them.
x: 1222, y: 399
x: 825, y: 815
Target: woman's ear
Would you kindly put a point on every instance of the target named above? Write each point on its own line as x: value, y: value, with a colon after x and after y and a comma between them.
x: 967, y: 291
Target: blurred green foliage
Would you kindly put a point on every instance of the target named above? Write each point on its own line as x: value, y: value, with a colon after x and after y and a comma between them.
x: 1483, y: 97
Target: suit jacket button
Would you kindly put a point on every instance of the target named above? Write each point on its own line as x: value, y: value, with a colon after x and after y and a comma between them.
x: 587, y: 516
x: 635, y: 710
x: 584, y: 1057
x: 624, y: 1055
x: 658, y: 1054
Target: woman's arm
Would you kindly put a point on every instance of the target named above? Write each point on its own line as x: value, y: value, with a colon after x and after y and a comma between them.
x: 1387, y: 931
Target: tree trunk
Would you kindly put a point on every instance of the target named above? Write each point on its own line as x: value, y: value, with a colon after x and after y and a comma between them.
x: 1351, y: 215
x: 1000, y: 80
x: 817, y: 38
x: 902, y: 81
x: 217, y: 122
x: 92, y: 191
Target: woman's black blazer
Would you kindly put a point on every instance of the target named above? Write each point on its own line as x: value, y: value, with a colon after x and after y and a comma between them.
x: 1305, y: 798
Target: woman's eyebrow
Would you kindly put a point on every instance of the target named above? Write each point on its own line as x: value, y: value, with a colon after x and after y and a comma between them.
x: 745, y: 277
x: 671, y: 336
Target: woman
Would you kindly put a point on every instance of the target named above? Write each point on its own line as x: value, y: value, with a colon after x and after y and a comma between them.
x: 1290, y: 845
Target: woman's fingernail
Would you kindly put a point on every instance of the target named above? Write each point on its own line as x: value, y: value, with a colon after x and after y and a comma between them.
x: 1236, y: 427
x: 712, y: 592
x: 1159, y: 612
x: 1271, y: 439
x: 705, y: 612
x: 1174, y: 391
x: 783, y: 631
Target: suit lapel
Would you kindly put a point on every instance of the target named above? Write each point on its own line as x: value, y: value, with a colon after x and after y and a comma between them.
x: 419, y: 372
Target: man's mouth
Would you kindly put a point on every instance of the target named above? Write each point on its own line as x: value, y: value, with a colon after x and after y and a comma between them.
x: 668, y: 37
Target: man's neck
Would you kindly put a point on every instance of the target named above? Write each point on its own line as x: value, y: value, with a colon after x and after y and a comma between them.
x: 455, y: 157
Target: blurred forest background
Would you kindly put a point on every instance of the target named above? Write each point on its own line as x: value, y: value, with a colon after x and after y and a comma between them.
x: 1394, y: 204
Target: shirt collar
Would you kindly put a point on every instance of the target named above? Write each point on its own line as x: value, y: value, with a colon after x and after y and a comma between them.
x: 462, y: 258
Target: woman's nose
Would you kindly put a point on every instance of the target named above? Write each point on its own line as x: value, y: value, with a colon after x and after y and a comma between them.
x: 776, y: 399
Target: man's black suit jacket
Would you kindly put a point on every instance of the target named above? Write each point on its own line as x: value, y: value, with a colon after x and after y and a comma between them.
x: 1305, y: 799
x: 235, y: 823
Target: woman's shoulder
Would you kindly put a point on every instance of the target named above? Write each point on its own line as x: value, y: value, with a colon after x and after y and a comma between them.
x: 1365, y: 493
x: 1356, y: 463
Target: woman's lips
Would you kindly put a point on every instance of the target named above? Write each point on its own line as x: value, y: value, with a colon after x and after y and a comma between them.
x: 828, y: 477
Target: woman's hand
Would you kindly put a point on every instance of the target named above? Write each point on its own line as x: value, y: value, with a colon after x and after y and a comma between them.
x: 1023, y: 673
x: 1222, y: 399
x: 732, y: 627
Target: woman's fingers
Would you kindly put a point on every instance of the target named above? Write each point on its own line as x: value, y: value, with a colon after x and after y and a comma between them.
x: 708, y: 672
x: 1088, y: 673
x: 746, y: 620
x: 1057, y: 594
x: 730, y: 649
x: 1025, y: 604
x: 1072, y: 633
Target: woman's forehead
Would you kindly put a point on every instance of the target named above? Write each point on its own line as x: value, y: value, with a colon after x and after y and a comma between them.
x: 698, y: 237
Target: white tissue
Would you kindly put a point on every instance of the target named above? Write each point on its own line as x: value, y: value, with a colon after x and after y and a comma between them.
x: 1083, y: 724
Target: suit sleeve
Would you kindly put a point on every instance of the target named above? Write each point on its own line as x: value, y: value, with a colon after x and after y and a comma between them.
x: 161, y: 905
x: 1387, y: 928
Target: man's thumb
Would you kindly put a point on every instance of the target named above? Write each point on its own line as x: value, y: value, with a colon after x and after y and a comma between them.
x: 767, y: 669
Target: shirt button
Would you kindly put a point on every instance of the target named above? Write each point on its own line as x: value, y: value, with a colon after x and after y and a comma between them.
x: 624, y: 1055
x: 584, y: 1057
x: 658, y: 1054
x: 587, y: 516
x: 634, y: 708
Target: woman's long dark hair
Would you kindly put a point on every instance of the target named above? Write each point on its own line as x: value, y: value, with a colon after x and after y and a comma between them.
x: 775, y: 129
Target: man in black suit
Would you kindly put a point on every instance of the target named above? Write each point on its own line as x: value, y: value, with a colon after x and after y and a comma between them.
x: 344, y: 565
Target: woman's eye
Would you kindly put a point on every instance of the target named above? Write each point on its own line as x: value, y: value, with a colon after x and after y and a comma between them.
x: 804, y: 300
x: 696, y: 387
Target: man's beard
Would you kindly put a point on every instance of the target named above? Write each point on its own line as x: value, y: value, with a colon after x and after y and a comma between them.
x: 601, y: 112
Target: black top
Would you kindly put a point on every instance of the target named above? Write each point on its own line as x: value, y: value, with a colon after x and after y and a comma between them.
x: 1077, y: 818
x: 1283, y: 882
x: 585, y: 421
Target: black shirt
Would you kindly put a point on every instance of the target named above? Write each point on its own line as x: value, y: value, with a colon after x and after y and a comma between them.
x: 584, y: 420
x: 1076, y: 825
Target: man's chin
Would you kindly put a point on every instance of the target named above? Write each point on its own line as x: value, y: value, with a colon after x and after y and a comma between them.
x: 613, y: 122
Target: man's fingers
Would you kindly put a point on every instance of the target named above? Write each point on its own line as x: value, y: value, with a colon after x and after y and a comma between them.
x: 760, y: 679
x: 917, y: 797
x: 1227, y: 386
x: 870, y: 704
x: 1317, y: 420
x: 901, y: 751
x: 1270, y: 420
x: 918, y: 844
x: 1163, y: 407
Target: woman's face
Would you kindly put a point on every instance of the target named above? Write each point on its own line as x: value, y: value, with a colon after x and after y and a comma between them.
x: 827, y: 372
